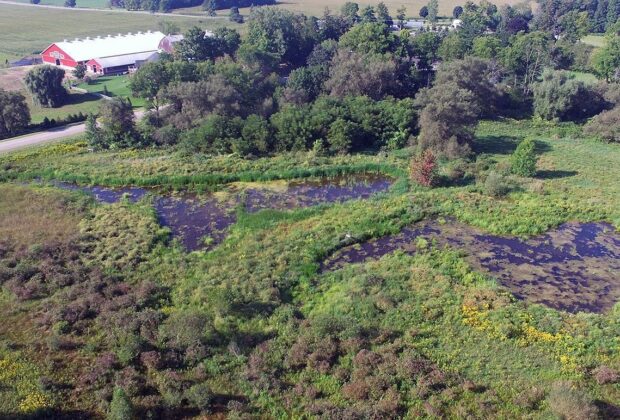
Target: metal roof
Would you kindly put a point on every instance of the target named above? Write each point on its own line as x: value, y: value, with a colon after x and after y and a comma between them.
x: 126, y: 59
x: 108, y: 46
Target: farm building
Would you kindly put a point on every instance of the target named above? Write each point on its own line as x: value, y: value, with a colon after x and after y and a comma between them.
x: 110, y: 54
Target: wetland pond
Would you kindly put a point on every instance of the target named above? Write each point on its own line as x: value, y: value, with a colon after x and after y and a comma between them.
x: 200, y: 221
x: 574, y: 268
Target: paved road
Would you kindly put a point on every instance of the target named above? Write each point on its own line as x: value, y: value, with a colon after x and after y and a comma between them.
x: 46, y: 136
x: 41, y: 137
x: 87, y: 9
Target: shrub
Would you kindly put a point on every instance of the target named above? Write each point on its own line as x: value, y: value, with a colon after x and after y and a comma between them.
x: 560, y: 96
x: 605, y: 375
x: 606, y: 125
x: 200, y: 395
x: 570, y: 403
x: 496, y: 185
x: 523, y: 160
x: 423, y: 169
x: 120, y: 407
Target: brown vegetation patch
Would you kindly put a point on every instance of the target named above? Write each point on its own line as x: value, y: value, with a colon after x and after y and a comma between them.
x: 29, y: 217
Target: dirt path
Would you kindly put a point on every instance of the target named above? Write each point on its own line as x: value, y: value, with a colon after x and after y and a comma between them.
x: 87, y: 9
x: 47, y: 136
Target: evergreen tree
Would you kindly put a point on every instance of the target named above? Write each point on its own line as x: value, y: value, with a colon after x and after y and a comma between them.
x: 433, y: 10
x: 613, y: 13
x: 93, y: 133
x: 599, y: 20
x: 401, y: 15
x: 235, y: 16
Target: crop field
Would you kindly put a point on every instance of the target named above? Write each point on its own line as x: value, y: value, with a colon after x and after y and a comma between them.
x: 45, y: 26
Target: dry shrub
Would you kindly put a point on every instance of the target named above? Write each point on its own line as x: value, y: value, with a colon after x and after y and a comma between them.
x: 423, y: 169
x: 569, y: 403
x: 605, y: 375
x: 530, y: 398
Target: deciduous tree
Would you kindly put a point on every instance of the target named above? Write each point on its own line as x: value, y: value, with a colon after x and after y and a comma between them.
x: 14, y: 113
x: 45, y: 84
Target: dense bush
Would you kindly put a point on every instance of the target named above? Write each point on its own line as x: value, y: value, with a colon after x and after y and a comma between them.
x: 496, y: 185
x: 348, y: 124
x: 523, y: 160
x: 606, y: 125
x: 560, y: 96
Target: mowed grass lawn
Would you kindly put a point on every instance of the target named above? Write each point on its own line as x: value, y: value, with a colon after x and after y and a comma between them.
x: 12, y: 79
x: 28, y: 30
x: 116, y: 86
x: 86, y: 103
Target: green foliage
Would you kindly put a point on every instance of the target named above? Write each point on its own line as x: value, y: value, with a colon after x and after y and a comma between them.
x: 453, y: 47
x: 433, y: 11
x: 523, y: 160
x: 279, y: 32
x: 447, y: 119
x: 149, y: 81
x: 80, y: 71
x: 117, y: 125
x: 519, y: 57
x: 606, y: 60
x: 14, y: 113
x: 120, y: 407
x: 196, y: 46
x: 45, y: 84
x: 496, y: 185
x: 560, y: 96
x: 369, y: 38
x: 340, y: 135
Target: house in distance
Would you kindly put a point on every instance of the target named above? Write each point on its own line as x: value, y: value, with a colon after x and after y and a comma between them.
x: 111, y: 54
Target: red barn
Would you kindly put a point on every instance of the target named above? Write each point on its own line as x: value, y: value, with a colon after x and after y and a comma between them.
x: 109, y: 54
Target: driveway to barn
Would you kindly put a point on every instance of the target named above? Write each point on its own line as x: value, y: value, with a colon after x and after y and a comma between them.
x: 47, y: 136
x: 88, y: 9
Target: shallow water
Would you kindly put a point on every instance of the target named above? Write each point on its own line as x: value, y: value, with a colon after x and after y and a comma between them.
x: 307, y: 193
x: 192, y: 218
x: 575, y: 267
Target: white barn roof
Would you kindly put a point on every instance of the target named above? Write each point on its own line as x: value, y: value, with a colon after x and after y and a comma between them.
x: 121, y: 44
x: 126, y: 60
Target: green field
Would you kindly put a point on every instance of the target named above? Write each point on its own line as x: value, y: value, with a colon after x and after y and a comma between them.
x: 91, y: 4
x: 317, y: 7
x: 45, y: 26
